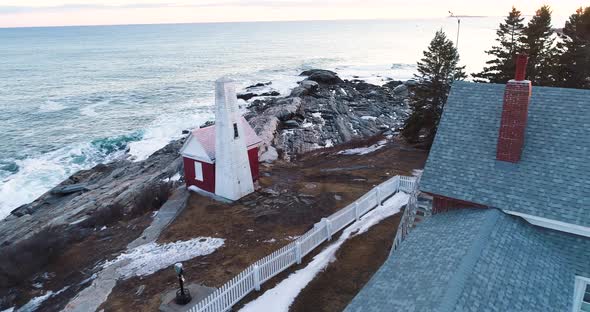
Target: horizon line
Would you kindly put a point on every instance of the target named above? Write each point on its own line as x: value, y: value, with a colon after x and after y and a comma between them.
x: 241, y: 22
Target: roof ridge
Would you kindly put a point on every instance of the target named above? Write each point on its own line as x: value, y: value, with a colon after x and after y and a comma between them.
x: 457, y: 283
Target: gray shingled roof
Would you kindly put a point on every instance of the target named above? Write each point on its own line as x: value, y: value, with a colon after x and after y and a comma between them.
x: 478, y: 260
x: 553, y: 178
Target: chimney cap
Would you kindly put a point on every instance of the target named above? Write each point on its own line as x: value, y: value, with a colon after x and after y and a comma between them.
x: 522, y: 60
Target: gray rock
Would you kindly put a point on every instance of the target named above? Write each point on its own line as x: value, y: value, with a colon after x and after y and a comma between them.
x: 69, y: 189
x: 400, y: 89
x: 411, y: 83
x: 289, y: 124
x: 322, y: 76
x: 309, y: 85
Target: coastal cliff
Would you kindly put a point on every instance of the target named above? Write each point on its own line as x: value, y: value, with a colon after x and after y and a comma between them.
x: 321, y: 112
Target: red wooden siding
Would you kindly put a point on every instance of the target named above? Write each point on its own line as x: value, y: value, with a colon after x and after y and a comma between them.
x: 253, y: 158
x: 444, y: 204
x: 208, y: 183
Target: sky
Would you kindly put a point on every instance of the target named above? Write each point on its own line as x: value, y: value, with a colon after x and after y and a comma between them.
x: 24, y: 13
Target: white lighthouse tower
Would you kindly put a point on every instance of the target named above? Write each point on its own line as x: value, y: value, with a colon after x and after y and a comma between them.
x: 233, y: 176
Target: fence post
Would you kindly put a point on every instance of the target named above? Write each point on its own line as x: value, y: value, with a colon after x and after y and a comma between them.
x: 256, y: 275
x: 298, y: 252
x: 357, y: 213
x: 328, y: 225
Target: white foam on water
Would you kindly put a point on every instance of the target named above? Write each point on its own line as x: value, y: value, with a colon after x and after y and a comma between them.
x: 51, y: 106
x: 39, y: 174
x: 377, y: 74
x: 169, y: 127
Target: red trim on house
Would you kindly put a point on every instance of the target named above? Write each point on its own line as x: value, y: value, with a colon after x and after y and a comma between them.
x: 208, y: 183
x: 444, y: 204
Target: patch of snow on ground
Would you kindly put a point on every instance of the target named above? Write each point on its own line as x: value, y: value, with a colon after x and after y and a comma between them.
x: 34, y: 303
x: 363, y: 150
x: 149, y: 258
x: 9, y: 310
x: 306, y: 124
x: 174, y: 178
x: 317, y: 115
x: 282, y: 296
x: 369, y: 118
x: 329, y: 143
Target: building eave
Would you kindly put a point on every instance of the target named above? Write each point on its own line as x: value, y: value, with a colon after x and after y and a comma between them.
x: 552, y: 224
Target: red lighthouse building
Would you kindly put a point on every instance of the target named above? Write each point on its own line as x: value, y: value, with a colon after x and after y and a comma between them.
x: 198, y: 154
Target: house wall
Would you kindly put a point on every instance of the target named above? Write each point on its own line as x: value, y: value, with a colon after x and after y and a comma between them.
x: 208, y: 183
x: 254, y: 164
x: 444, y: 204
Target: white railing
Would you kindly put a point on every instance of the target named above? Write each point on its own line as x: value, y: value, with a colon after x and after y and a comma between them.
x: 266, y: 268
x: 409, y: 216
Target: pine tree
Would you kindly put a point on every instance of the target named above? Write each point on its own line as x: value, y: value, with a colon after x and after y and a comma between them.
x: 574, y: 71
x: 436, y: 71
x: 501, y: 68
x: 539, y: 44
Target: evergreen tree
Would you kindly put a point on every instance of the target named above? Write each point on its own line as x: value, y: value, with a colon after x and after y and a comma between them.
x: 501, y: 68
x: 436, y: 71
x: 574, y: 71
x: 539, y: 44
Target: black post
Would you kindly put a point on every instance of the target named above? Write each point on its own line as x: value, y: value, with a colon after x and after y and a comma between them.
x: 183, y: 296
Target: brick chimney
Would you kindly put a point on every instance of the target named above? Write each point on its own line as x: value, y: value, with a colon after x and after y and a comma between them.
x: 514, y: 114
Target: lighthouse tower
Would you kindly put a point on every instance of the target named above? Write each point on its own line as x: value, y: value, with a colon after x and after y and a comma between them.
x: 233, y: 176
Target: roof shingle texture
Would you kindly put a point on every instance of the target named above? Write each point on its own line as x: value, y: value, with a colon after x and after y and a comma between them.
x: 552, y: 180
x: 478, y: 260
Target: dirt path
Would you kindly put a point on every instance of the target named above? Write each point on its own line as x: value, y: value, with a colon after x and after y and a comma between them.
x: 292, y: 198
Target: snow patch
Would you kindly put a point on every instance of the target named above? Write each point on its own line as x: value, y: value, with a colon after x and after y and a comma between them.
x: 152, y: 257
x: 373, y: 118
x: 34, y: 303
x: 282, y: 296
x: 174, y: 178
x: 363, y: 150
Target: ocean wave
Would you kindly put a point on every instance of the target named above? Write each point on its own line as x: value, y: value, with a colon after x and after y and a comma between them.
x: 34, y: 176
x: 51, y: 106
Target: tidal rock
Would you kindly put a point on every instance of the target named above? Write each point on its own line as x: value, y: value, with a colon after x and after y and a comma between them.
x: 318, y: 115
x: 322, y: 76
x: 259, y: 85
x: 246, y: 96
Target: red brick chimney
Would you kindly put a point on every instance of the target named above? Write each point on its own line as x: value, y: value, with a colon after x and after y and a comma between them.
x: 514, y: 114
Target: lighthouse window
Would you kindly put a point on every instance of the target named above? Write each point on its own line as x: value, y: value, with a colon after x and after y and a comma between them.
x: 236, y: 134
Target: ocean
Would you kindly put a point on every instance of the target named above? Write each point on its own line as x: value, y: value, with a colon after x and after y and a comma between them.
x: 75, y: 97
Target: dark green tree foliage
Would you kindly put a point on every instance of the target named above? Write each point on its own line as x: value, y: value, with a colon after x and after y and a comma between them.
x: 574, y: 69
x: 436, y: 71
x: 539, y: 44
x: 502, y: 66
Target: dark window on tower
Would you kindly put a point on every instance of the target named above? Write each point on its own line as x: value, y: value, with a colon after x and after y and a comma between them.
x: 236, y: 134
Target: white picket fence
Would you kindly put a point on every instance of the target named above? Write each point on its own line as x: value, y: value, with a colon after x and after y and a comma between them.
x: 266, y: 268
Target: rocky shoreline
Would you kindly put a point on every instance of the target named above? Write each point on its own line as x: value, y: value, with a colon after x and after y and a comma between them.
x: 321, y: 112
